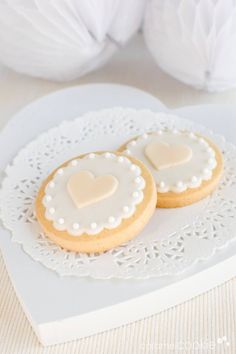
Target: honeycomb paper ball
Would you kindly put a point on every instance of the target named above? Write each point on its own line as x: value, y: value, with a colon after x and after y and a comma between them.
x: 194, y: 40
x: 62, y: 40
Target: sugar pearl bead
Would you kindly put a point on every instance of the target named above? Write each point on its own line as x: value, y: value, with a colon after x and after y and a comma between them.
x: 133, y: 167
x: 138, y: 180
x: 93, y: 225
x: 120, y: 159
x: 194, y: 179
x: 111, y: 219
x: 135, y: 194
x: 192, y: 135
x: 48, y: 198
x: 91, y: 156
x: 137, y: 170
x: 162, y: 184
x: 211, y: 151
x: 51, y: 184
x: 74, y: 162
x: 133, y: 143
x: 126, y: 209
x: 211, y: 161
x: 52, y: 210
x: 60, y: 171
x: 127, y: 152
x: 61, y: 221
x: 75, y: 226
x: 179, y: 184
x: 202, y: 142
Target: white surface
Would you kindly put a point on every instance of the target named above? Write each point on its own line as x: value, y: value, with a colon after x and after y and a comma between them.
x: 196, y: 325
x: 61, y: 40
x: 50, y: 306
x: 174, y: 239
x: 194, y: 41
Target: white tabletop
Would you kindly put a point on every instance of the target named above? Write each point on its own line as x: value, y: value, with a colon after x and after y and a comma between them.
x: 194, y: 327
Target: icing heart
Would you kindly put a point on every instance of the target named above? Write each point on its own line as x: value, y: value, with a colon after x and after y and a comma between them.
x: 163, y: 155
x: 86, y: 189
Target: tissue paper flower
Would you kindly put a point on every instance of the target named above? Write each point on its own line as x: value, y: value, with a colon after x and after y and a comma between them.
x: 64, y: 39
x: 194, y: 40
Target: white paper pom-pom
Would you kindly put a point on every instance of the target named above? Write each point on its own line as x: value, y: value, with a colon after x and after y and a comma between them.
x: 194, y: 40
x: 64, y: 39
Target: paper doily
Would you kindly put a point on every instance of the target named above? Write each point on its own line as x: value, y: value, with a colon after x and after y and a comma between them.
x: 173, y: 241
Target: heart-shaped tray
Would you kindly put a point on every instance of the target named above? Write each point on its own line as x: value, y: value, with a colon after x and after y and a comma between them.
x: 76, y: 306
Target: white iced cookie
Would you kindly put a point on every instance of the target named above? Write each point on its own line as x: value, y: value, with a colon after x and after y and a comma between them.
x: 186, y: 167
x: 96, y: 201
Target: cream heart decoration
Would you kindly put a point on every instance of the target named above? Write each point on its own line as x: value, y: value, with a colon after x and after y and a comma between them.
x: 163, y: 155
x: 86, y: 189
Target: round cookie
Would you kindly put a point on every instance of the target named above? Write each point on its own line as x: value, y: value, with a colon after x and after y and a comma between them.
x: 96, y: 201
x: 186, y: 167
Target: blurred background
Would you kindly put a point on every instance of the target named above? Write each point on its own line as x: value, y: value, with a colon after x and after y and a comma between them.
x: 154, y: 45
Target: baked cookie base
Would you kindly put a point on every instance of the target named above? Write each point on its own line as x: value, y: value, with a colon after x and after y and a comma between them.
x: 108, y: 238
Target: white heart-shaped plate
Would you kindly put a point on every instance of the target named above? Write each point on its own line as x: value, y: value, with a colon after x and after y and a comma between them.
x: 86, y: 306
